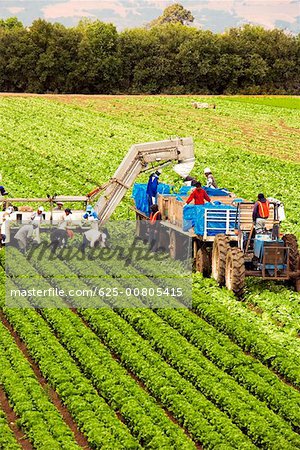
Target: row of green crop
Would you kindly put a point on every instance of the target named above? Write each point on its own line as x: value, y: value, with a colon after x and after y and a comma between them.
x: 203, y: 420
x: 263, y: 339
x: 179, y: 353
x: 146, y: 420
x: 277, y: 305
x: 216, y: 385
x: 247, y: 371
x: 94, y: 417
x: 7, y: 438
x: 38, y: 416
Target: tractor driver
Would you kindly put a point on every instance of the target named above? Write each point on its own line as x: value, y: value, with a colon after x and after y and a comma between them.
x: 260, y: 214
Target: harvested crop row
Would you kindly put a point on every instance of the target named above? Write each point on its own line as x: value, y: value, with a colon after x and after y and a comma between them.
x: 276, y: 350
x: 278, y: 305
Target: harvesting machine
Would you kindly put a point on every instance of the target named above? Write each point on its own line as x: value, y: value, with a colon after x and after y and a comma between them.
x: 224, y: 244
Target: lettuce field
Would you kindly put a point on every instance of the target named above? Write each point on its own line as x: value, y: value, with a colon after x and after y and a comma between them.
x: 222, y: 375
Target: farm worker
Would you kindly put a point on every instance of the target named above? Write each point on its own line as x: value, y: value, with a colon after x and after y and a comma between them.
x: 36, y: 219
x: 23, y: 236
x: 66, y: 219
x: 210, y: 181
x: 190, y: 181
x: 59, y: 206
x: 94, y: 236
x: 4, y: 227
x: 60, y: 236
x: 90, y: 213
x: 261, y: 211
x: 155, y: 218
x: 2, y: 188
x: 9, y: 210
x: 37, y: 216
x: 280, y: 206
x: 152, y: 187
x: 198, y: 195
x: 66, y: 222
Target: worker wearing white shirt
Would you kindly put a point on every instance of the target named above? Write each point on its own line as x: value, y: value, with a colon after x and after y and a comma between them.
x: 93, y: 236
x: 60, y: 235
x: 210, y: 181
x: 23, y: 236
x: 66, y: 219
x: 36, y: 220
x: 4, y: 227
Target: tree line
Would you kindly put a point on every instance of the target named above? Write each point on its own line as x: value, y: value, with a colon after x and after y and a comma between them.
x: 169, y: 58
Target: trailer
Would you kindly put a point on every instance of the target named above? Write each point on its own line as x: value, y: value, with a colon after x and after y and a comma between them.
x: 223, y: 240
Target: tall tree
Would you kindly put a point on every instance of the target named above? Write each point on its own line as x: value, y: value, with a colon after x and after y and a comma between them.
x: 175, y: 13
x: 98, y: 65
x: 12, y: 23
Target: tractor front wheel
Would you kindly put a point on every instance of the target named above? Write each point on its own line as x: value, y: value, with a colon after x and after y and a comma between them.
x: 219, y: 252
x: 290, y: 241
x: 235, y: 271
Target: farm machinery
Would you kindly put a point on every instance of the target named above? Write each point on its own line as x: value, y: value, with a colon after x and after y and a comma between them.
x: 224, y: 243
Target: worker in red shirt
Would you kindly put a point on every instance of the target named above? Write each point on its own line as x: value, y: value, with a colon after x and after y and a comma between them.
x: 199, y: 196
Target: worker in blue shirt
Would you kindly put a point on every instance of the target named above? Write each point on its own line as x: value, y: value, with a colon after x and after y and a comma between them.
x: 152, y: 187
x: 90, y: 213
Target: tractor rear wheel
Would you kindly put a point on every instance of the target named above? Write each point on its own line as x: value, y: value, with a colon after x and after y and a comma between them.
x: 290, y: 241
x: 219, y: 252
x: 203, y: 261
x: 235, y: 271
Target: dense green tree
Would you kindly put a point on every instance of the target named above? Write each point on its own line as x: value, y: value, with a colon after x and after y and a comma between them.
x: 168, y: 58
x: 98, y: 68
x: 175, y: 13
x: 12, y: 23
x: 18, y: 57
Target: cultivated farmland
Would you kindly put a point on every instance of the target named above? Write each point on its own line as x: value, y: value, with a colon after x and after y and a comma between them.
x: 225, y: 374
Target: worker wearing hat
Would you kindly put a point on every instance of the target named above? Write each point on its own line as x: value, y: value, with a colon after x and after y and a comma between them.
x: 59, y: 206
x: 66, y: 219
x: 90, y: 213
x: 37, y: 216
x: 152, y: 188
x: 210, y: 181
x: 60, y: 235
x: 36, y: 220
